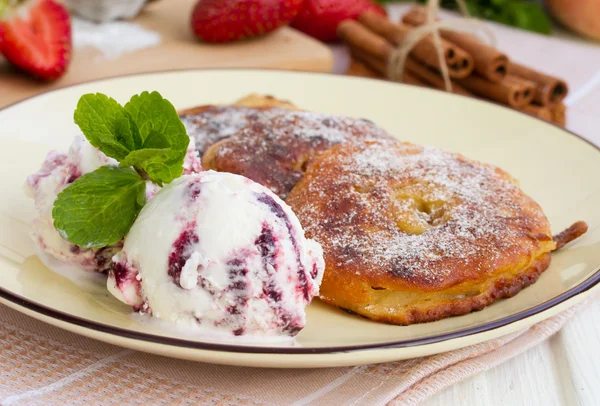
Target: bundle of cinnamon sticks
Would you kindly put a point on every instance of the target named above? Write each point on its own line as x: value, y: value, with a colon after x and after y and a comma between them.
x: 475, y: 68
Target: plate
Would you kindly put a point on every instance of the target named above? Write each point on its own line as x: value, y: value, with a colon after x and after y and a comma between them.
x: 555, y: 167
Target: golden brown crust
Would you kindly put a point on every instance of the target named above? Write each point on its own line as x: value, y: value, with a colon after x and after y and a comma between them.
x: 573, y: 232
x: 275, y: 146
x: 404, y: 226
x: 264, y: 101
x: 427, y: 307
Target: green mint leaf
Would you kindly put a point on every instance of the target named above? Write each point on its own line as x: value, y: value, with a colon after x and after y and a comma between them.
x: 163, y: 136
x: 127, y: 134
x: 99, y: 208
x: 102, y: 121
x: 152, y: 113
x: 162, y: 165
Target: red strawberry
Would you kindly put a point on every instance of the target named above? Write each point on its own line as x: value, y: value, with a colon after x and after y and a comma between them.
x: 320, y: 18
x: 35, y: 36
x: 232, y: 20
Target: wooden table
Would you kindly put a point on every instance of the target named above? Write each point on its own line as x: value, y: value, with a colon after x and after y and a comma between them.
x: 564, y: 370
x: 177, y: 49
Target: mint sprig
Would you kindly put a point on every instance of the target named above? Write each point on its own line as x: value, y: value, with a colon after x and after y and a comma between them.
x: 99, y: 208
x: 148, y: 123
x: 150, y: 142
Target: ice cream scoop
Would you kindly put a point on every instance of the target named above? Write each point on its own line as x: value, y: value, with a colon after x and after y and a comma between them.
x: 58, y: 171
x: 221, y: 254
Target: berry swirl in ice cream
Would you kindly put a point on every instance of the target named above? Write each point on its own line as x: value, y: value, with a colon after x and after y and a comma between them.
x: 221, y: 253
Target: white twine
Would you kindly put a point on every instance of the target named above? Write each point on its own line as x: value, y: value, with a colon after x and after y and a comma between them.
x: 431, y: 27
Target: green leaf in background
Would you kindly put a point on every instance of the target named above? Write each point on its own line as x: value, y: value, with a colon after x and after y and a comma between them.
x: 530, y: 17
x: 99, y: 208
x: 527, y: 15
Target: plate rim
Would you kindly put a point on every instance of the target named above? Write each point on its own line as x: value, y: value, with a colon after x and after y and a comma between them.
x: 64, y: 317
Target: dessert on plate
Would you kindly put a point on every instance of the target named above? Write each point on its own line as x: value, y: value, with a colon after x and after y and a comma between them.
x: 396, y: 232
x: 409, y: 234
x: 222, y: 253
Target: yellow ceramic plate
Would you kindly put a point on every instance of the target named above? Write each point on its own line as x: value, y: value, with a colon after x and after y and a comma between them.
x: 558, y: 169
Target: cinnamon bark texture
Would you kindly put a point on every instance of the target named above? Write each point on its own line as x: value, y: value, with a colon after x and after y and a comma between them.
x: 357, y: 68
x: 549, y: 90
x: 535, y: 110
x: 358, y: 37
x: 559, y: 114
x: 488, y: 61
x: 433, y: 78
x: 372, y: 40
x: 376, y: 65
x: 459, y: 62
x: 508, y: 91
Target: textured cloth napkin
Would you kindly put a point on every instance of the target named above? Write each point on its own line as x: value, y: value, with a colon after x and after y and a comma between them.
x: 44, y: 365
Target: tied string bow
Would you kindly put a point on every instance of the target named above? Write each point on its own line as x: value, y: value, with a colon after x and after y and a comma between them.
x: 432, y: 27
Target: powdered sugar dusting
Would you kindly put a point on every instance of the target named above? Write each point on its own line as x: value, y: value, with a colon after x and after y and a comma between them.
x: 417, y: 213
x: 217, y: 122
x: 276, y: 145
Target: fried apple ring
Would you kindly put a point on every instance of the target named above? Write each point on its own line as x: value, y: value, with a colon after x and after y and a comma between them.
x: 413, y: 234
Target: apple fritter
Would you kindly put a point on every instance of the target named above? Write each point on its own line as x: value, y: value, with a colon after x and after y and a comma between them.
x: 413, y: 234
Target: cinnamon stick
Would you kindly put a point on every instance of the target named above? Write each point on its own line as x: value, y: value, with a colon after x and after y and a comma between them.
x: 414, y: 80
x: 559, y: 114
x: 549, y: 89
x: 508, y: 91
x: 358, y: 68
x: 379, y: 68
x: 360, y: 38
x: 527, y: 87
x: 432, y: 77
x: 459, y: 62
x: 536, y: 110
x: 376, y: 65
x: 488, y: 61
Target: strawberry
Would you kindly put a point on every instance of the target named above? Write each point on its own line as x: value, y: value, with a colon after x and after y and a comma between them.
x: 35, y: 36
x: 232, y: 20
x: 320, y: 18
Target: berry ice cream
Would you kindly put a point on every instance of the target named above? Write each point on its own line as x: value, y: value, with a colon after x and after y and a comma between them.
x: 57, y: 172
x: 220, y: 253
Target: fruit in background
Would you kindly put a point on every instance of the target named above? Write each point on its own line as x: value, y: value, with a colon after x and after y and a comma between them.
x: 320, y: 18
x: 582, y: 16
x: 226, y: 20
x: 35, y: 37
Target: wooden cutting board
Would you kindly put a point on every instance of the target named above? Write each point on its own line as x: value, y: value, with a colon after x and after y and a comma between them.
x: 285, y: 48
